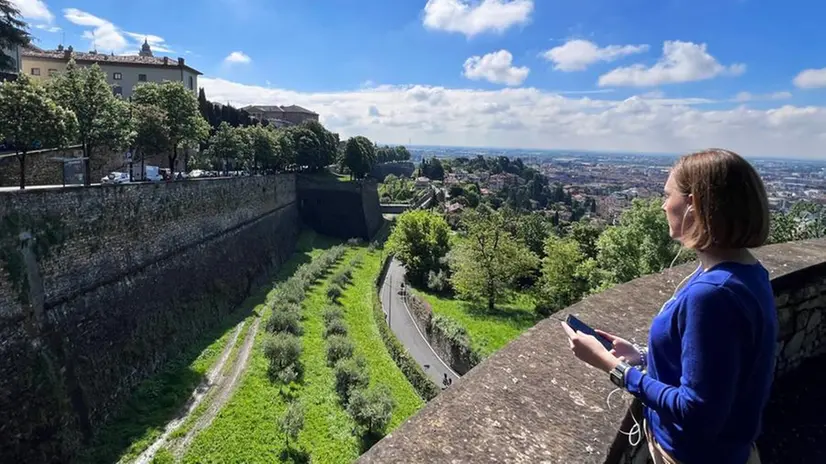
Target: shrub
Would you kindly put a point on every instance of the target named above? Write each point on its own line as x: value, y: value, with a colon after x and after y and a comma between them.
x: 332, y: 312
x: 282, y: 349
x: 355, y: 241
x: 343, y: 277
x: 285, y: 321
x: 292, y: 421
x: 335, y: 327
x: 288, y: 374
x: 334, y: 292
x: 371, y: 408
x: 338, y: 347
x: 292, y: 291
x: 350, y: 374
x: 373, y: 246
x: 438, y: 281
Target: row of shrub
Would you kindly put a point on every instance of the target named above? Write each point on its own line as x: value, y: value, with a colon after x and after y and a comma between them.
x: 458, y: 337
x: 283, y: 348
x: 370, y: 408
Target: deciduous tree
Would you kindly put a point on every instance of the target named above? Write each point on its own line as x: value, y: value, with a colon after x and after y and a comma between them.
x: 292, y: 422
x: 420, y: 240
x: 359, y: 156
x: 13, y: 33
x: 229, y: 146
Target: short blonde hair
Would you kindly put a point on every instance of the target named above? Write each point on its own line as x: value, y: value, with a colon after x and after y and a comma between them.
x: 731, y: 209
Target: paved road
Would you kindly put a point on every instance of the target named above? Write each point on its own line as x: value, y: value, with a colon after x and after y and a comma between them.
x: 406, y: 329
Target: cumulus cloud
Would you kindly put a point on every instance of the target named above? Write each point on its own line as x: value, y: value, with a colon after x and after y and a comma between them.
x: 680, y: 62
x: 237, y: 57
x: 811, y: 79
x: 496, y: 67
x: 107, y: 37
x: 531, y: 118
x: 472, y: 18
x: 34, y: 10
x: 577, y: 54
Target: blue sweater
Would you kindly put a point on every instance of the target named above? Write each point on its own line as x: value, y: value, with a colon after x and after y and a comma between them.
x: 710, y: 365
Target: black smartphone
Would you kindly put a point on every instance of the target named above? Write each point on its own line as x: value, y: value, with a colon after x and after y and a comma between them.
x: 580, y: 326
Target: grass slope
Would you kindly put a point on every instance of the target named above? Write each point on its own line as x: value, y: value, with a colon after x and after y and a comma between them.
x: 358, y: 300
x: 488, y: 330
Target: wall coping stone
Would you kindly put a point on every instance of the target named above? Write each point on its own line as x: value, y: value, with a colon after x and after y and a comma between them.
x: 533, y: 401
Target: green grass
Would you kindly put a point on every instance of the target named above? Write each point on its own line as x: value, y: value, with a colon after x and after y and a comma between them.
x: 488, y: 330
x: 358, y: 301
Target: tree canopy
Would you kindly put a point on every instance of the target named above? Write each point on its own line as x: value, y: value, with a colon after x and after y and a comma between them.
x: 13, y: 33
x: 420, y: 240
x: 359, y: 156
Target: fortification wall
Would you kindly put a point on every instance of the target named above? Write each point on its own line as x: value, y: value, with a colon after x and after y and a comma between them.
x: 100, y: 285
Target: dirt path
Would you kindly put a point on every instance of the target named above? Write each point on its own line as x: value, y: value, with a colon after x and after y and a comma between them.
x: 215, y: 381
x: 225, y: 387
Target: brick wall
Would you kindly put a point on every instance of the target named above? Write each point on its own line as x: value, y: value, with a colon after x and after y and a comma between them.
x: 124, y: 277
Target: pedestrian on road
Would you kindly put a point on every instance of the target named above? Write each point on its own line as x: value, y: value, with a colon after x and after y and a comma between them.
x: 446, y: 381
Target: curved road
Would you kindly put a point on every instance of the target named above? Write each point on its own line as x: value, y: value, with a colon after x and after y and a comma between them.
x: 406, y: 330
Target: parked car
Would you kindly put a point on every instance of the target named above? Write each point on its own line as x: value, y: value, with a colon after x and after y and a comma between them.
x: 115, y: 178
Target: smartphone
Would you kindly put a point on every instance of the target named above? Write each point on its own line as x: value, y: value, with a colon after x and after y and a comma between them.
x: 580, y: 326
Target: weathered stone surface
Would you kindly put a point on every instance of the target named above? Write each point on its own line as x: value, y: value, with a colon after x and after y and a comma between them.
x: 534, y: 402
x: 340, y: 209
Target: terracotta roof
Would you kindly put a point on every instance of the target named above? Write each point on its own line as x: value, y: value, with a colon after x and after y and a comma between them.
x: 102, y: 58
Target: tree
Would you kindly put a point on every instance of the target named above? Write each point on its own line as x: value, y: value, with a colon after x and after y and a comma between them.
x: 327, y: 145
x: 306, y: 146
x: 433, y: 169
x: 804, y: 220
x: 586, y: 235
x: 488, y: 260
x: 151, y: 133
x: 13, y: 33
x: 265, y: 148
x: 640, y: 244
x: 420, y: 240
x: 359, y: 156
x: 371, y: 408
x: 228, y: 145
x: 561, y: 283
x: 102, y: 118
x: 28, y: 117
x: 292, y: 421
x: 185, y: 124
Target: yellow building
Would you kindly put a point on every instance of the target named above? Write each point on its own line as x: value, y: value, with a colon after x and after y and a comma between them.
x: 123, y: 72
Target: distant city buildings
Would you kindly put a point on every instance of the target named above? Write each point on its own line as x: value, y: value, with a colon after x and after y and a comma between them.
x: 281, y: 115
x: 123, y: 72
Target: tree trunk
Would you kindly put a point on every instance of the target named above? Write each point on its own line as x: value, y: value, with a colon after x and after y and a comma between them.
x: 172, y: 159
x: 21, y: 157
x: 491, y: 300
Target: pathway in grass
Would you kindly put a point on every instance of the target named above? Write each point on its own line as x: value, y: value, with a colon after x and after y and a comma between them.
x: 358, y: 303
x: 488, y: 330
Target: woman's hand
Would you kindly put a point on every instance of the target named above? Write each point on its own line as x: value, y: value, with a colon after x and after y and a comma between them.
x: 589, y: 349
x: 623, y: 348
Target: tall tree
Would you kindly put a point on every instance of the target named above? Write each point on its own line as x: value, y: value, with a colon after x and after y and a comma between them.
x: 13, y: 34
x: 292, y: 421
x: 327, y: 145
x: 359, y: 156
x: 151, y: 132
x: 562, y: 283
x: 29, y: 117
x: 228, y: 145
x: 420, y: 240
x: 185, y: 124
x: 488, y: 260
x: 266, y: 151
x: 102, y: 118
x: 306, y: 146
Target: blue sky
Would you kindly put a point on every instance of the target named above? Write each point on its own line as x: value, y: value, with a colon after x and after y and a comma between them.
x: 642, y: 75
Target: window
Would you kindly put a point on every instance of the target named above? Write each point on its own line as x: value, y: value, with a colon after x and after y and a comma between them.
x: 141, y: 77
x: 118, y: 90
x: 117, y: 76
x: 35, y: 71
x: 52, y: 72
x: 191, y: 83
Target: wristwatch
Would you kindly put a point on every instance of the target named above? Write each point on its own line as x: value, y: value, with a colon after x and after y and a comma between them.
x: 618, y: 374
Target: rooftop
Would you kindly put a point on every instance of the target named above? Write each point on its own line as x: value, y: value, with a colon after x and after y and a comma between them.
x: 102, y: 58
x: 277, y: 108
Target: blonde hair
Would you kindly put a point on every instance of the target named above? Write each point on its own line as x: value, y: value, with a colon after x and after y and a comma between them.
x: 730, y: 206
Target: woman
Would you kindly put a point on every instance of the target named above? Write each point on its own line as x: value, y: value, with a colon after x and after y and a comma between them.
x: 706, y: 375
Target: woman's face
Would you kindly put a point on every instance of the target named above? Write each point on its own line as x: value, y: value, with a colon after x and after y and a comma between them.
x: 676, y: 207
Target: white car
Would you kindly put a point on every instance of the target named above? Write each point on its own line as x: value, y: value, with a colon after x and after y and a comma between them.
x: 115, y: 178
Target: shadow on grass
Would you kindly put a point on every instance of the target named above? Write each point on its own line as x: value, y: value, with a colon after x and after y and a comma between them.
x: 295, y: 456
x: 367, y: 441
x: 161, y: 398
x: 512, y: 316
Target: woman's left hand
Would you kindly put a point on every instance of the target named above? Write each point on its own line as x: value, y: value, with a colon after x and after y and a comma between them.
x: 589, y: 349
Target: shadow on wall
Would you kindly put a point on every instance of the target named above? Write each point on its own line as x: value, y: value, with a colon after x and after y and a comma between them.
x: 340, y: 209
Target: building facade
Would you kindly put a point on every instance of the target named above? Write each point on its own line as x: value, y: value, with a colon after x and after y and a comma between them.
x: 281, y: 115
x: 123, y: 72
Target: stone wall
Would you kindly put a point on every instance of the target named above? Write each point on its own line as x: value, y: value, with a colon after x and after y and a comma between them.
x: 115, y: 280
x: 45, y: 167
x: 533, y: 401
x: 340, y: 209
x: 457, y: 355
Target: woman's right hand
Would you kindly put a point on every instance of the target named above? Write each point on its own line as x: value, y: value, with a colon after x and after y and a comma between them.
x: 623, y: 348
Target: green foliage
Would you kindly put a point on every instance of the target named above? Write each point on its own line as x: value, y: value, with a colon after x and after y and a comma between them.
x: 586, y: 235
x: 805, y: 220
x: 395, y: 189
x: 335, y: 327
x: 420, y: 240
x: 292, y: 421
x: 343, y: 277
x: 531, y: 230
x: 285, y: 321
x: 388, y: 154
x: 359, y: 156
x: 282, y: 349
x: 371, y: 408
x: 488, y: 260
x: 163, y: 456
x: 327, y: 146
x: 13, y: 33
x: 639, y: 245
x: 334, y: 292
x: 351, y: 374
x: 307, y: 148
x: 432, y: 169
x: 229, y: 148
x: 562, y: 283
x: 332, y: 313
x: 338, y: 348
x: 267, y: 153
x: 28, y: 117
x: 151, y: 132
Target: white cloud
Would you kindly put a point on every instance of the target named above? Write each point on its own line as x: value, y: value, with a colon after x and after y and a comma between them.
x: 681, y: 62
x: 107, y: 37
x: 47, y: 28
x: 578, y: 54
x: 237, y: 57
x: 496, y: 67
x: 811, y: 79
x: 747, y: 96
x: 530, y: 118
x: 472, y: 18
x: 34, y: 9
